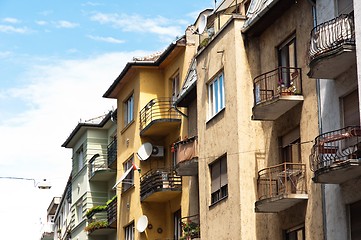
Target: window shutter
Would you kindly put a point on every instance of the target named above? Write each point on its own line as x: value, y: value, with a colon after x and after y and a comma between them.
x: 224, y: 179
x: 215, y: 176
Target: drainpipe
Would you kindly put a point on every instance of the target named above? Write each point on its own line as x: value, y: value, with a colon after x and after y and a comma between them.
x: 318, y: 90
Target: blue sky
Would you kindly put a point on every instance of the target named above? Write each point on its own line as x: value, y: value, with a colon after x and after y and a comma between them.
x: 57, y: 58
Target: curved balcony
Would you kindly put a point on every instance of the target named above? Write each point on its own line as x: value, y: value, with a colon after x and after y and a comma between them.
x: 160, y: 185
x: 280, y: 187
x: 186, y: 157
x: 98, y: 169
x: 332, y: 48
x: 276, y: 92
x: 159, y: 117
x: 98, y: 224
x: 190, y: 227
x: 336, y: 155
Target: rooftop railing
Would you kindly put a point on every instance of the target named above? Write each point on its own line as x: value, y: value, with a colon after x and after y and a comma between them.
x: 332, y: 34
x: 285, y: 178
x: 157, y: 109
x: 278, y: 82
x: 335, y: 147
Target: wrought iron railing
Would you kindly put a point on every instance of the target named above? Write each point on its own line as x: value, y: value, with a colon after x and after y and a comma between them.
x: 112, y: 152
x: 335, y: 147
x: 112, y: 211
x: 157, y: 109
x: 159, y: 180
x: 186, y: 149
x: 332, y: 34
x: 97, y: 163
x: 278, y: 82
x: 190, y: 227
x: 285, y: 178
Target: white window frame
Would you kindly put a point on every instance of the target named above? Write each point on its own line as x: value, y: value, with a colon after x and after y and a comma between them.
x: 129, y: 232
x: 128, y: 181
x: 80, y: 158
x: 175, y: 87
x: 79, y: 211
x: 216, y: 98
x: 129, y: 110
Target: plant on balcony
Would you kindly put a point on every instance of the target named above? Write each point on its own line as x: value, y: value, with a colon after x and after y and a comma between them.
x: 96, y: 225
x: 95, y: 209
x: 111, y: 200
x: 282, y: 89
x: 190, y: 230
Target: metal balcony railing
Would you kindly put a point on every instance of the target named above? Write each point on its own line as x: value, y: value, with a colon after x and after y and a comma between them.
x: 285, y: 178
x: 186, y: 149
x: 112, y: 211
x: 190, y: 227
x: 278, y: 82
x: 112, y: 152
x: 332, y: 34
x: 157, y: 109
x: 335, y: 147
x: 159, y: 180
x: 97, y: 163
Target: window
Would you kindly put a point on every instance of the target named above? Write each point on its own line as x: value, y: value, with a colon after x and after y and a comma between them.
x: 291, y: 147
x: 129, y: 232
x: 297, y: 233
x: 287, y: 59
x: 175, y: 87
x: 80, y: 159
x: 219, y: 181
x: 177, y: 225
x: 129, y: 179
x: 350, y: 107
x: 216, y: 100
x: 344, y: 6
x: 129, y: 110
x: 79, y: 212
x: 355, y: 220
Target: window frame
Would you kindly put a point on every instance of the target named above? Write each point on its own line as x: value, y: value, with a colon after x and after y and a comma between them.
x: 130, y: 177
x: 216, y: 95
x: 129, y: 231
x: 128, y: 105
x: 80, y: 158
x: 218, y: 193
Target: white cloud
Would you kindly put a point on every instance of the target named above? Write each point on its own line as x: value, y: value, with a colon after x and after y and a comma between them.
x: 41, y: 22
x: 136, y: 23
x: 57, y: 94
x: 11, y: 29
x: 11, y: 20
x: 66, y: 24
x: 106, y: 39
x: 93, y: 4
x: 5, y: 54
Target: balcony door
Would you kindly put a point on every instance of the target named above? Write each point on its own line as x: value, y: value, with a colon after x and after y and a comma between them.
x: 291, y: 147
x: 344, y: 6
x: 287, y: 59
x: 350, y: 109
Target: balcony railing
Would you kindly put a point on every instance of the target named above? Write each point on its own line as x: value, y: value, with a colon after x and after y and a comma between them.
x: 162, y: 182
x: 158, y: 110
x: 281, y: 81
x: 98, y: 169
x: 336, y: 150
x: 281, y: 187
x: 190, y: 227
x: 332, y: 34
x: 112, y: 153
x: 187, y: 156
x: 112, y: 212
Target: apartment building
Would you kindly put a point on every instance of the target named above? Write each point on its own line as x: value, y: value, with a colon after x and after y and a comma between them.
x: 335, y: 157
x: 88, y: 207
x: 151, y: 200
x: 47, y: 231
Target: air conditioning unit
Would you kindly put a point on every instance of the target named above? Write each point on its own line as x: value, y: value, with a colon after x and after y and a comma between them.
x: 158, y: 151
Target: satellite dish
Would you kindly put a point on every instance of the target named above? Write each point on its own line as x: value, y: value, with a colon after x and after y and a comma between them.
x: 202, y: 23
x: 145, y: 151
x: 142, y: 223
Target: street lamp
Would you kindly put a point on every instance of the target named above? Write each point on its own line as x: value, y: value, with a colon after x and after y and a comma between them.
x: 41, y: 185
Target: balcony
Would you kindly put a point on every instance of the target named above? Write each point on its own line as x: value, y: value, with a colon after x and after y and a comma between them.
x: 336, y: 157
x: 112, y: 212
x: 281, y: 187
x: 158, y: 118
x: 276, y: 92
x: 98, y: 224
x: 190, y: 227
x: 332, y: 49
x: 160, y: 185
x: 98, y: 169
x: 112, y: 154
x: 186, y: 157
